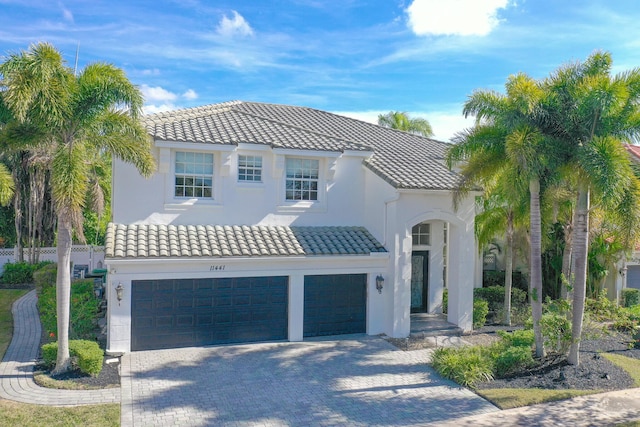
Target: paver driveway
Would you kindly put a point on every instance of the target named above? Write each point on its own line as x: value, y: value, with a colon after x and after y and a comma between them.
x: 353, y: 380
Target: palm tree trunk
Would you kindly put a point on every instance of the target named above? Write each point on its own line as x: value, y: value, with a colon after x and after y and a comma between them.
x: 566, y: 259
x: 63, y: 291
x: 580, y: 250
x: 508, y: 273
x: 535, y: 286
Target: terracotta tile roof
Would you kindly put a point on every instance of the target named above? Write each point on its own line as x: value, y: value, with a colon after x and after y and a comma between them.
x: 159, y: 241
x: 402, y: 159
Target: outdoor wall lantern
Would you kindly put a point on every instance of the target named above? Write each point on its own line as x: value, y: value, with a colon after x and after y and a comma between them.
x: 119, y: 292
x: 379, y: 283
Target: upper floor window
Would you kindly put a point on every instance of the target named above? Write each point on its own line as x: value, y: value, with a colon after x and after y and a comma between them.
x: 250, y: 168
x: 193, y: 174
x: 421, y: 234
x: 302, y: 179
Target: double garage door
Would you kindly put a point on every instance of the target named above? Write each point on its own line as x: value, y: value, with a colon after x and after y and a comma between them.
x: 193, y: 312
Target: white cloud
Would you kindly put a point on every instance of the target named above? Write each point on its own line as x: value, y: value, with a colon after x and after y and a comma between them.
x: 157, y: 93
x: 454, y: 17
x: 236, y: 26
x: 190, y: 95
x: 66, y: 13
x: 152, y: 109
x: 151, y: 72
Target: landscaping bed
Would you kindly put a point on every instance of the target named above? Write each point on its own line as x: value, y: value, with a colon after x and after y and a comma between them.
x: 108, y: 377
x: 595, y: 372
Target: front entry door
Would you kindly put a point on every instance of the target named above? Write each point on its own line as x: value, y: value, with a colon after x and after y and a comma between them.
x: 419, y: 281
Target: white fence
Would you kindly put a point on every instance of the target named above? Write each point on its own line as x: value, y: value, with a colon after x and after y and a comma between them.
x: 89, y: 257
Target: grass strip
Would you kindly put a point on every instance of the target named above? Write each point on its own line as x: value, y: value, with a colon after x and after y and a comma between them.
x: 629, y: 364
x: 507, y: 398
x: 7, y: 298
x: 26, y: 415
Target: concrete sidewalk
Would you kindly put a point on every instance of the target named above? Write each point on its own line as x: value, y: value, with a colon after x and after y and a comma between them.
x: 16, y: 369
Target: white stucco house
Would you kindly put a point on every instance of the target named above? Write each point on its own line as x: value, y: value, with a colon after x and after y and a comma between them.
x: 275, y: 222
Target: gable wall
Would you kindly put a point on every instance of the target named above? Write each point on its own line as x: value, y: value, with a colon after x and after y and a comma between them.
x: 341, y: 201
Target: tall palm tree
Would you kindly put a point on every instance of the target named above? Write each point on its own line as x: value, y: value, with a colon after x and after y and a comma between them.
x: 77, y: 115
x: 504, y: 137
x: 591, y: 113
x: 401, y: 121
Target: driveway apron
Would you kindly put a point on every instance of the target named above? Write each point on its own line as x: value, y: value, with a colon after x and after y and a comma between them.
x: 355, y: 380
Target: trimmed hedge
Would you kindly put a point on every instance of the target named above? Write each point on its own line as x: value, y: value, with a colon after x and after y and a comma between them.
x: 20, y: 272
x: 496, y: 278
x: 630, y: 297
x: 45, y: 276
x: 480, y: 310
x: 494, y: 295
x: 83, y: 310
x: 86, y: 354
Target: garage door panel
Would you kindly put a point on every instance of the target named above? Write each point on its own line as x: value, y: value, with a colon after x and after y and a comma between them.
x: 334, y: 304
x: 188, y: 312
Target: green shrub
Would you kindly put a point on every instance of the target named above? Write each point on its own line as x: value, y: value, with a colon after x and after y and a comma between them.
x: 18, y: 273
x: 521, y: 338
x: 556, y: 331
x: 496, y: 278
x: 513, y: 359
x: 480, y: 311
x: 87, y: 355
x: 466, y: 366
x: 601, y: 308
x: 445, y: 300
x: 630, y: 297
x: 84, y: 309
x: 494, y: 295
x: 45, y: 276
x: 49, y: 354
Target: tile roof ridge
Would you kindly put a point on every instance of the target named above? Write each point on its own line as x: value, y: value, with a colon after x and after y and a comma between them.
x: 179, y: 113
x: 352, y: 119
x: 292, y: 126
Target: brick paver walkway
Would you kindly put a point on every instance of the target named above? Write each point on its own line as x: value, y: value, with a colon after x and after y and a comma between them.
x: 16, y: 369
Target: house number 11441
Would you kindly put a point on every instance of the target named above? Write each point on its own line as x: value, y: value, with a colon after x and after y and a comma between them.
x: 217, y: 267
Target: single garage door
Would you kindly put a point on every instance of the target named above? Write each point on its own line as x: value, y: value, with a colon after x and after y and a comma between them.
x: 633, y: 276
x: 194, y: 312
x: 335, y: 304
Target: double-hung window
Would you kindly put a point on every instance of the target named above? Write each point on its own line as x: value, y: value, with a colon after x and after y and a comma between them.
x: 249, y: 168
x: 302, y: 179
x: 193, y: 175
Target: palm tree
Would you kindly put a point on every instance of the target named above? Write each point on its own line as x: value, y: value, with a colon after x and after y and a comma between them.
x: 77, y: 116
x: 504, y: 137
x: 402, y: 121
x: 591, y: 113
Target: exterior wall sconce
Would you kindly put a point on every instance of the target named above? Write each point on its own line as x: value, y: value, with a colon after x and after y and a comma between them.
x: 379, y: 283
x: 119, y: 292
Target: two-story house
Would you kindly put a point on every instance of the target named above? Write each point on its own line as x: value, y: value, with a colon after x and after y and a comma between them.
x: 275, y: 222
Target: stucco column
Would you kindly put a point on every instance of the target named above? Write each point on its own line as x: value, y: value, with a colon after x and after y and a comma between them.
x: 118, y: 316
x: 462, y: 256
x: 436, y: 266
x: 296, y: 307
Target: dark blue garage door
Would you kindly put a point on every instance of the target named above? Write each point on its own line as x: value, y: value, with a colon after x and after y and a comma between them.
x: 335, y: 304
x: 195, y: 312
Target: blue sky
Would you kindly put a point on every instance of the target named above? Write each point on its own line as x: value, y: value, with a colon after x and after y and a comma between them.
x: 354, y: 57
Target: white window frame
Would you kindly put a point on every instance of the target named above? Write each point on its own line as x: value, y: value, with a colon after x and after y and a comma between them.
x: 196, y: 169
x: 420, y: 231
x: 306, y: 178
x: 253, y: 166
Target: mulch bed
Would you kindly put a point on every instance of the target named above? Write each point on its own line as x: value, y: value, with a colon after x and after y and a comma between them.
x: 109, y: 376
x: 594, y: 371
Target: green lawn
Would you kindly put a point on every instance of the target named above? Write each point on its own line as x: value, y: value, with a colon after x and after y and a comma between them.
x: 25, y: 415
